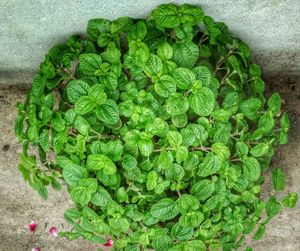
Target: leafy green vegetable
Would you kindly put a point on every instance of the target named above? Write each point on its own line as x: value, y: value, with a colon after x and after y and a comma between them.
x: 160, y: 130
x: 278, y: 179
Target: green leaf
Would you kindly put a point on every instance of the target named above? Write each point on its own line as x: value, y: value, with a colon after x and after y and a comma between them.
x: 260, y: 232
x: 222, y: 151
x: 59, y: 140
x: 108, y: 112
x: 112, y: 54
x: 120, y: 24
x: 254, y: 70
x: 162, y: 243
x: 177, y: 104
x: 133, y: 174
x: 184, y: 32
x: 196, y: 245
x: 186, y: 53
x: 57, y: 122
x: 82, y: 125
x: 97, y: 94
x: 145, y: 147
x: 182, y: 233
x: 166, y: 16
x: 259, y: 150
x: 101, y: 197
x: 251, y: 169
x: 181, y: 153
x: 211, y: 203
x: 73, y: 173
x: 101, y: 162
x: 290, y: 200
x: 272, y: 207
x: 210, y: 165
x: 103, y: 39
x: 89, y: 63
x: 165, y: 51
x: 250, y: 108
x: 274, y: 103
x: 202, y: 102
x: 231, y: 102
x: 221, y: 115
x: 191, y: 219
x: 174, y: 172
x: 193, y: 135
x: 90, y: 184
x: 284, y: 122
x: 151, y: 180
x: 258, y: 86
x: 110, y: 80
x: 153, y: 66
x: 82, y: 194
x: 44, y: 139
x: 39, y: 186
x: 38, y: 85
x: 174, y: 138
x: 156, y: 127
x: 203, y: 189
x: 242, y: 149
x: 203, y: 73
x: 184, y: 78
x: 191, y: 162
x: 191, y: 15
x: 179, y: 120
x: 122, y: 195
x: 137, y: 31
x: 112, y: 149
x: 278, y: 179
x: 132, y: 138
x: 187, y: 203
x: 84, y: 105
x: 165, y: 86
x: 129, y: 162
x: 165, y: 209
x: 266, y: 122
x: 72, y: 215
x: 283, y: 138
x: 97, y: 26
x: 139, y: 52
x: 164, y: 160
x: 77, y: 89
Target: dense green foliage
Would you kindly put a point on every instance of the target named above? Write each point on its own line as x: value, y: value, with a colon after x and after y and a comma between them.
x: 161, y: 131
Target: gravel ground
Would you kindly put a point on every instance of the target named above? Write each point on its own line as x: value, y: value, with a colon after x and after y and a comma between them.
x: 19, y: 204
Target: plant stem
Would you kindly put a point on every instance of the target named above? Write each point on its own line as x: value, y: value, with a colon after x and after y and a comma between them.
x: 235, y: 160
x: 192, y: 149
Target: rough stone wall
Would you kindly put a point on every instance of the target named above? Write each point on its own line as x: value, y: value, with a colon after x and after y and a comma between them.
x: 29, y: 28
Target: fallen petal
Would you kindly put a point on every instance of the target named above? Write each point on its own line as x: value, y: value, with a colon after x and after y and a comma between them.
x: 109, y: 243
x: 35, y: 249
x: 53, y: 231
x: 32, y: 226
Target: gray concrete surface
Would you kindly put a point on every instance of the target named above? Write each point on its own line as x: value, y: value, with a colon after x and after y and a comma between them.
x: 29, y: 28
x: 19, y: 204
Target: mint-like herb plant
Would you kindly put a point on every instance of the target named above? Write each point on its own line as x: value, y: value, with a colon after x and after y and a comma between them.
x: 161, y: 131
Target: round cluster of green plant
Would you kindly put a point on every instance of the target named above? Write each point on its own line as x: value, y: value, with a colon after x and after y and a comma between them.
x: 161, y: 131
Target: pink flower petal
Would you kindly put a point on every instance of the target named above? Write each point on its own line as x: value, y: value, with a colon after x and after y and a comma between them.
x: 35, y: 249
x: 109, y: 243
x: 32, y: 226
x: 53, y: 231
